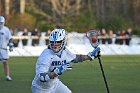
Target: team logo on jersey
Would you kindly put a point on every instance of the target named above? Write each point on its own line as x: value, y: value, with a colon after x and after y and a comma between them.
x: 58, y: 63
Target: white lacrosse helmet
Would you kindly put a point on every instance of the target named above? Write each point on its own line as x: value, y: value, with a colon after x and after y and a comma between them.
x: 57, y: 40
x: 2, y: 21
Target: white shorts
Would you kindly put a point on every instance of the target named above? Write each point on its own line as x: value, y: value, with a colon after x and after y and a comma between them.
x: 59, y: 88
x: 4, y: 54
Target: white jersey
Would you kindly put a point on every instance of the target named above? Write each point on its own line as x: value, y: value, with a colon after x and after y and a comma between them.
x: 5, y: 36
x: 46, y: 63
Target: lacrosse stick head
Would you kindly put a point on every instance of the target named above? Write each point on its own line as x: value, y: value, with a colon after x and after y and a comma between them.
x: 92, y: 36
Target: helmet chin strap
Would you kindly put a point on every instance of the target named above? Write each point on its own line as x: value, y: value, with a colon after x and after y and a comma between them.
x: 59, y: 53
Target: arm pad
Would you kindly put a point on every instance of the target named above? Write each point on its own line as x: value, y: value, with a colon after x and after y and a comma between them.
x: 10, y: 42
x: 11, y: 45
x: 44, y: 77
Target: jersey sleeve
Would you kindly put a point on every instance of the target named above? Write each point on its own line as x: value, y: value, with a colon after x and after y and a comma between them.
x: 71, y: 56
x: 76, y: 58
x: 43, y: 62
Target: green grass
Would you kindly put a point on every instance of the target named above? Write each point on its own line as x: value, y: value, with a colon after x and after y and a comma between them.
x: 122, y: 73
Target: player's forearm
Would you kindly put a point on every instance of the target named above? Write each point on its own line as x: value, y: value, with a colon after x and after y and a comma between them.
x: 53, y: 75
x: 81, y: 58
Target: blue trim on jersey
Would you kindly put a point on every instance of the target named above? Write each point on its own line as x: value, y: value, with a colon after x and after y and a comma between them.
x: 59, y: 55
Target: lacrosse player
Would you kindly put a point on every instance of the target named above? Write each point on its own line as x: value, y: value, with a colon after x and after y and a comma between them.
x: 55, y: 60
x: 5, y: 40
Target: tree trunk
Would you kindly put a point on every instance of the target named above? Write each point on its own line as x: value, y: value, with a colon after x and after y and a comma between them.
x: 22, y: 6
x: 7, y: 7
x: 103, y: 9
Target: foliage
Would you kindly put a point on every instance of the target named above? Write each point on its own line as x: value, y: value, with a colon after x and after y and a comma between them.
x: 115, y: 23
x: 136, y: 31
x: 101, y: 24
x: 22, y: 20
x: 118, y: 23
x: 79, y: 23
x: 75, y: 15
x: 44, y: 26
x: 75, y: 23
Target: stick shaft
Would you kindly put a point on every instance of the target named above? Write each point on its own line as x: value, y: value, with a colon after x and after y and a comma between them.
x: 103, y: 75
x: 94, y: 34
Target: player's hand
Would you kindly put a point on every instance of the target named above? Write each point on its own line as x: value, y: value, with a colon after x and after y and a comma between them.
x: 59, y: 70
x: 68, y: 67
x: 95, y: 53
x: 11, y: 46
x: 64, y: 67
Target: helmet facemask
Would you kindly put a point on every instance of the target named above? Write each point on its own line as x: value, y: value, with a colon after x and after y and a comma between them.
x: 57, y: 46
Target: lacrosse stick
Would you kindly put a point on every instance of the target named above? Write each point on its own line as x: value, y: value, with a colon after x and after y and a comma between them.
x: 92, y: 35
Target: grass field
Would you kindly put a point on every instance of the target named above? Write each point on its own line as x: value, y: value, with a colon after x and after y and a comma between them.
x: 122, y: 73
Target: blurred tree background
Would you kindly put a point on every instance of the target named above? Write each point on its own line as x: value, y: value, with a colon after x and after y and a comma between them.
x: 73, y: 15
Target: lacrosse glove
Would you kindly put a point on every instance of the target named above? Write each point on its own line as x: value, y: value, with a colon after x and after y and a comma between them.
x: 68, y: 66
x: 61, y: 69
x: 11, y: 46
x: 95, y: 53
